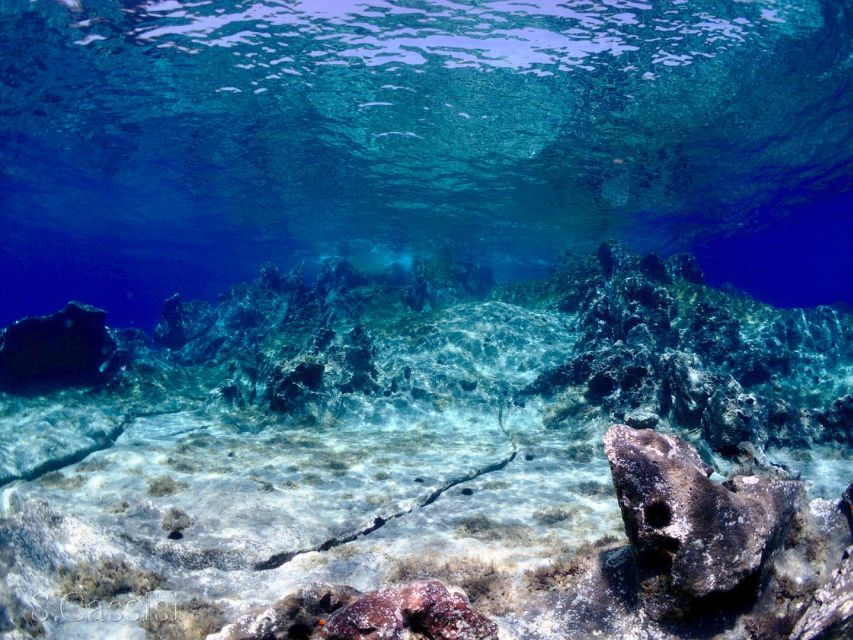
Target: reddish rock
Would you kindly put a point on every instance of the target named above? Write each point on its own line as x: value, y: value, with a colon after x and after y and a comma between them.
x: 425, y: 606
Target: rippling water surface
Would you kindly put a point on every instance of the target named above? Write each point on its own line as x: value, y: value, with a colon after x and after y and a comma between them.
x: 503, y: 128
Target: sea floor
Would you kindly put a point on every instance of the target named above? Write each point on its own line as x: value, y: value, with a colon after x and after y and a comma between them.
x: 445, y: 465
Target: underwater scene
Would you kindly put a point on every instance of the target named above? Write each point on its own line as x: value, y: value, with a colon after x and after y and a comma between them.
x: 426, y: 319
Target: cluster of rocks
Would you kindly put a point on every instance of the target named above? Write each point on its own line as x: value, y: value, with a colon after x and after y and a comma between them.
x: 334, y: 612
x: 655, y: 346
x: 746, y: 558
x: 648, y: 345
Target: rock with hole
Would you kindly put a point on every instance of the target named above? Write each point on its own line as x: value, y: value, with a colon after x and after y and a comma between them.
x: 698, y: 545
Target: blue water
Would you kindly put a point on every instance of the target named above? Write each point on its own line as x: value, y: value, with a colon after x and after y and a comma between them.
x: 153, y: 147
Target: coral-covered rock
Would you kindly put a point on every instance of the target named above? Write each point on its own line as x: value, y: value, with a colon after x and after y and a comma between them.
x: 294, y: 617
x: 696, y: 542
x: 837, y: 421
x: 621, y: 372
x: 68, y: 348
x: 830, y: 616
x: 686, y: 387
x: 357, y: 361
x: 425, y: 606
x: 712, y: 333
x: 696, y: 397
x: 183, y: 321
x: 683, y: 266
x: 290, y: 388
x: 731, y: 418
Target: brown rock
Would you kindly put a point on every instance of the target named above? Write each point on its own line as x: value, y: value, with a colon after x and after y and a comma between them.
x: 425, y: 606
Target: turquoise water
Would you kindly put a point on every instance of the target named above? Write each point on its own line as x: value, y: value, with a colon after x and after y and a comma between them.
x: 190, y: 141
x: 431, y: 256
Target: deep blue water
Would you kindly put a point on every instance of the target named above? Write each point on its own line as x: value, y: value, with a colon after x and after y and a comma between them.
x: 153, y: 147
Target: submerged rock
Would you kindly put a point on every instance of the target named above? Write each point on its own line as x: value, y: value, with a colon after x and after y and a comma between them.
x: 837, y: 421
x: 425, y: 606
x: 294, y: 617
x: 830, y: 616
x: 696, y: 542
x: 71, y: 347
x: 183, y: 321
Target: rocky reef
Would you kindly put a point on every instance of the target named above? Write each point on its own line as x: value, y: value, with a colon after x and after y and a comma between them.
x: 444, y: 448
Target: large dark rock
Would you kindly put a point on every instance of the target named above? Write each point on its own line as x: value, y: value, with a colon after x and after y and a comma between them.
x: 71, y: 347
x: 615, y: 258
x: 698, y: 544
x: 654, y: 268
x: 424, y: 607
x: 291, y: 388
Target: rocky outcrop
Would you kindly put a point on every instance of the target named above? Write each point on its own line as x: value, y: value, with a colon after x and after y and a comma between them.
x: 837, y: 421
x: 71, y: 347
x: 830, y: 616
x: 696, y: 542
x: 426, y: 607
x: 183, y: 321
x: 294, y: 617
x: 423, y: 609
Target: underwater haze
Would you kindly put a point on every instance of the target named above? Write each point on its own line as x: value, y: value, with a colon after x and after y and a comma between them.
x: 152, y: 147
x: 426, y: 319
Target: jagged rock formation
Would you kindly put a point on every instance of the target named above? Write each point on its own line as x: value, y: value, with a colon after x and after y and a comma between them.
x: 300, y: 430
x: 830, y: 615
x: 654, y: 342
x: 68, y: 348
x: 694, y: 540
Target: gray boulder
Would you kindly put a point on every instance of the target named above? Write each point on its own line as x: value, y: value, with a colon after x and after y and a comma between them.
x: 697, y: 543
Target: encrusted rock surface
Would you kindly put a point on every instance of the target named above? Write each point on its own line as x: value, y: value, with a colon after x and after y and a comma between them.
x: 425, y: 606
x: 830, y: 616
x: 694, y: 539
x: 295, y: 617
x: 378, y: 428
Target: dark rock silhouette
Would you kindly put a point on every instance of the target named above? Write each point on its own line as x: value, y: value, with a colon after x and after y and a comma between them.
x: 71, y: 347
x: 183, y: 322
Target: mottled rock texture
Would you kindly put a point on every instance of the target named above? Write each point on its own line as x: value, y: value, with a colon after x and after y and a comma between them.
x: 295, y: 617
x: 426, y: 607
x: 830, y: 616
x: 696, y: 542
